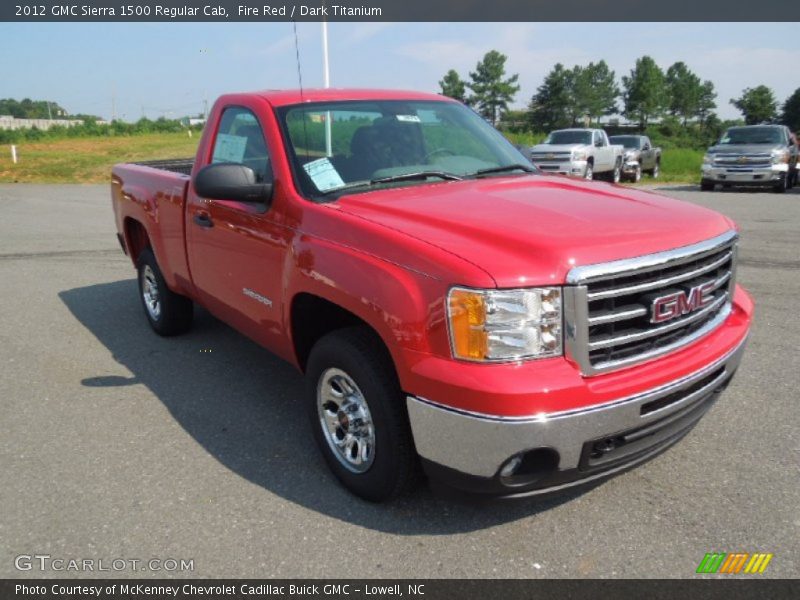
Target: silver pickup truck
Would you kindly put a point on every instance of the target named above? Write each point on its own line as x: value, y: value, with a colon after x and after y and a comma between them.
x: 640, y: 156
x: 753, y: 155
x: 583, y: 153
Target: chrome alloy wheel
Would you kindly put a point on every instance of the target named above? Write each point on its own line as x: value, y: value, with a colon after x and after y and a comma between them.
x: 152, y: 298
x: 345, y: 420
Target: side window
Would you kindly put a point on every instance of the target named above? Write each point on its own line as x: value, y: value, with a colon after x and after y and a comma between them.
x: 598, y: 138
x: 241, y: 140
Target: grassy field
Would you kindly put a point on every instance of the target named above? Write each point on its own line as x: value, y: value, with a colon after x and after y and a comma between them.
x: 89, y: 160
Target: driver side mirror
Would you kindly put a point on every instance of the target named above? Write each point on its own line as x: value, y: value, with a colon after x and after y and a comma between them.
x: 231, y: 181
x: 598, y: 143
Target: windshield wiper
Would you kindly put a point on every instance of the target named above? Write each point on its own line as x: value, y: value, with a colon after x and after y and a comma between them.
x: 503, y: 169
x: 417, y: 175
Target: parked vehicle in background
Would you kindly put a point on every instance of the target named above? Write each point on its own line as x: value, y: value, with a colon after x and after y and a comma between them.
x: 514, y: 333
x: 639, y: 156
x: 752, y: 155
x: 583, y: 153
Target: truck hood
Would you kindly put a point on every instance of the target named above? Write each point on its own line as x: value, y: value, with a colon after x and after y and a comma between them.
x: 558, y: 147
x: 531, y: 230
x: 745, y: 148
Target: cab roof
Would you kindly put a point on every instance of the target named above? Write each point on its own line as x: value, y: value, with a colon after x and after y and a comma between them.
x: 295, y: 96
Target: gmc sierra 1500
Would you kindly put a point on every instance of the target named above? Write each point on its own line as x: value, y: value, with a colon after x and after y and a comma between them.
x: 514, y: 333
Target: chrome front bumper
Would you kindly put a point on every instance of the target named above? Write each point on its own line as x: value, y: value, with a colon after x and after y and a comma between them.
x: 741, y: 176
x: 575, y: 168
x: 476, y: 447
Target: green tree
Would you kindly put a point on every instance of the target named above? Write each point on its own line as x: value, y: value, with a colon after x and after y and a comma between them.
x: 790, y: 115
x: 706, y: 102
x: 551, y: 107
x: 31, y: 109
x: 491, y: 91
x: 453, y: 86
x: 595, y: 91
x: 683, y: 91
x: 645, y: 92
x: 757, y: 104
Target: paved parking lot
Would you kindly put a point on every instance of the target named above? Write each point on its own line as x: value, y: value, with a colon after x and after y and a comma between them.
x: 115, y: 443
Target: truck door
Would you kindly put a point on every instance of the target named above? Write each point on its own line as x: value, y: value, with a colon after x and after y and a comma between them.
x: 236, y: 249
x: 602, y: 152
x: 647, y: 155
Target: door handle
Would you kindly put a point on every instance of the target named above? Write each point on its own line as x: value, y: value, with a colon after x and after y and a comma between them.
x: 203, y: 220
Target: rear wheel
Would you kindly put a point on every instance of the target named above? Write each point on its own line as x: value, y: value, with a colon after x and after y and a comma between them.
x: 616, y: 174
x: 167, y: 312
x: 358, y: 415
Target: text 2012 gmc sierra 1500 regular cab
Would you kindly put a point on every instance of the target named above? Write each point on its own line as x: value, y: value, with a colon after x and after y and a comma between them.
x: 512, y: 332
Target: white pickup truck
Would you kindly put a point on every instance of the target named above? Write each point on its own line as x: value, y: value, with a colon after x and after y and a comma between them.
x: 583, y: 153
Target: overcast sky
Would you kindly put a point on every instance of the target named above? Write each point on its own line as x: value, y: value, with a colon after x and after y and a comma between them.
x: 168, y: 68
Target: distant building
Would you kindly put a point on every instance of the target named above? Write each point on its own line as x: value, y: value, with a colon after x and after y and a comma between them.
x: 9, y: 122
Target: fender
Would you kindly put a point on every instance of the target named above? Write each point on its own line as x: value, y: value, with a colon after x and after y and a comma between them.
x: 404, y: 308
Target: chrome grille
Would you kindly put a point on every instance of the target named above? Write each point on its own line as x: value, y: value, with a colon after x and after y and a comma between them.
x: 552, y: 156
x: 743, y: 162
x: 609, y: 307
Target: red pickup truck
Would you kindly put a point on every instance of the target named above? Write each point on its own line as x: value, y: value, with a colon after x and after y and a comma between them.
x: 512, y: 333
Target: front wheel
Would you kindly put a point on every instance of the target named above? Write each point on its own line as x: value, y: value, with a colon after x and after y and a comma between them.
x: 636, y: 176
x: 589, y: 173
x: 656, y: 170
x: 167, y: 312
x: 706, y: 186
x: 782, y: 185
x: 358, y: 415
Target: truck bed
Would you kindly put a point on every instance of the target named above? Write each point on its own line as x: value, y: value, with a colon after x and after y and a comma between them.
x: 174, y: 165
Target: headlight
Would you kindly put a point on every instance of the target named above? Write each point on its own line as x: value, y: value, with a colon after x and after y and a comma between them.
x: 579, y: 156
x: 708, y: 159
x: 780, y: 157
x: 497, y: 325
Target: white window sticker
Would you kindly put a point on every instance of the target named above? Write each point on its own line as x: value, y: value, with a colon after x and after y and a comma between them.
x: 323, y: 174
x: 229, y: 148
x: 408, y: 118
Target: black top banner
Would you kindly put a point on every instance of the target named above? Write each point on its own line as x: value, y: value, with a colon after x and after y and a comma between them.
x: 400, y: 10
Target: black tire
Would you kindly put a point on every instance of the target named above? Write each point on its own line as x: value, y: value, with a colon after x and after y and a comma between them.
x: 172, y: 313
x: 616, y: 173
x: 706, y: 186
x: 358, y: 354
x: 636, y: 176
x: 656, y: 170
x: 782, y: 185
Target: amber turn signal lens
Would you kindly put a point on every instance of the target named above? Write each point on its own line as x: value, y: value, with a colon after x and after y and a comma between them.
x: 467, y: 320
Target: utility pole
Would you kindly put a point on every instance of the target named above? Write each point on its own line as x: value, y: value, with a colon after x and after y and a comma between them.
x: 49, y: 111
x: 326, y: 81
x: 113, y: 102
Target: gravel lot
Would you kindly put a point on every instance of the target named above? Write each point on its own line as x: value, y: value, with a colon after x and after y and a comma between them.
x: 115, y: 443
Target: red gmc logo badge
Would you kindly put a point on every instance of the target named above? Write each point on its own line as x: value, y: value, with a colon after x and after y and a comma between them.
x: 671, y: 306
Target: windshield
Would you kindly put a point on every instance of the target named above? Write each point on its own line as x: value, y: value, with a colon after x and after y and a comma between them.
x: 360, y: 145
x: 569, y: 137
x: 629, y: 142
x: 753, y: 135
